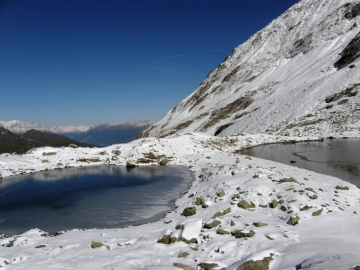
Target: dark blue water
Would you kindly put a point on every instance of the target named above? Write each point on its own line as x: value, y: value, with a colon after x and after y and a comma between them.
x: 89, y: 197
x: 339, y: 158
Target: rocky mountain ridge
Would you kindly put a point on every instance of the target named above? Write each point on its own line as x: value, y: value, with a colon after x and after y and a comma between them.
x: 298, y: 76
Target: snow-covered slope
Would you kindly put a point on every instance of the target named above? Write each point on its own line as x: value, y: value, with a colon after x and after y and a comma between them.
x: 248, y: 212
x: 299, y: 75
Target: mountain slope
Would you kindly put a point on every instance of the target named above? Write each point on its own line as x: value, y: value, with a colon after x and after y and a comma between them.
x: 11, y: 142
x: 298, y: 76
x: 99, y: 135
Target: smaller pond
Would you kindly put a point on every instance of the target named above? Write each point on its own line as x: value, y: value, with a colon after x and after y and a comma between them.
x: 89, y: 197
x: 339, y: 157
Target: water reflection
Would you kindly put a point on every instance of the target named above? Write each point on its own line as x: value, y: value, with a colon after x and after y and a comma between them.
x: 339, y: 158
x: 89, y: 197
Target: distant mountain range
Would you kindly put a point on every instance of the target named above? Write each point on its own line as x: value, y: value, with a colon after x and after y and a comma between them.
x: 11, y: 142
x: 99, y: 135
x: 107, y: 134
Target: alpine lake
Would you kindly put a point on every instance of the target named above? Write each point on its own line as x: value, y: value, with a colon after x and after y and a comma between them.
x: 115, y: 196
x: 89, y: 197
x: 336, y: 157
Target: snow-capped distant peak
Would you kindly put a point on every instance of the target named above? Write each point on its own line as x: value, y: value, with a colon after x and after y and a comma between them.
x: 18, y: 126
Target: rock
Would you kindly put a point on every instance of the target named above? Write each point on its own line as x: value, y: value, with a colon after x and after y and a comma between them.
x: 235, y: 197
x: 232, y: 223
x: 313, y: 197
x: 179, y: 227
x: 165, y: 239
x: 260, y: 224
x: 189, y: 211
x: 245, y: 205
x: 222, y: 213
x: 199, y: 201
x: 310, y: 189
x: 183, y: 255
x: 288, y: 180
x: 95, y: 244
x: 292, y: 161
x: 306, y: 207
x: 208, y: 266
x: 116, y: 152
x: 241, y: 234
x: 212, y: 224
x: 317, y: 213
x: 150, y: 155
x: 293, y: 220
x: 183, y: 266
x: 342, y: 188
x: 205, y: 205
x: 222, y: 232
x: 191, y: 241
x: 40, y: 246
x: 72, y: 145
x: 283, y: 208
x: 256, y: 265
x: 221, y: 193
x: 173, y: 239
x: 130, y: 165
x: 164, y: 161
x: 274, y: 204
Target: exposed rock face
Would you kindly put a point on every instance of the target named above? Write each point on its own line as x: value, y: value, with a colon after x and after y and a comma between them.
x: 278, y: 80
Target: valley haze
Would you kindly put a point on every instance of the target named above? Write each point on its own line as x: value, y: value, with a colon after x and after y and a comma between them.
x: 296, y: 80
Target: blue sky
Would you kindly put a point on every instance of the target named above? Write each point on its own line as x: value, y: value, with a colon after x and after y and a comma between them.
x: 84, y: 62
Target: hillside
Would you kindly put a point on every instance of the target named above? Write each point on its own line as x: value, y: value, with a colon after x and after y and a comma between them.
x: 298, y: 76
x: 99, y: 135
x: 11, y: 142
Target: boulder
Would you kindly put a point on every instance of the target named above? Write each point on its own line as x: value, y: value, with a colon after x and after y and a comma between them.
x: 293, y: 220
x: 241, y: 234
x: 189, y: 211
x: 164, y: 161
x: 256, y: 265
x: 208, y: 266
x: 200, y: 201
x: 165, y: 239
x: 245, y: 205
x: 95, y: 244
x: 222, y: 232
x: 183, y: 255
x: 183, y: 266
x: 130, y: 165
x: 212, y: 224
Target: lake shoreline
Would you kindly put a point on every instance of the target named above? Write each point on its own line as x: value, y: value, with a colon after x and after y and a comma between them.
x: 228, y: 184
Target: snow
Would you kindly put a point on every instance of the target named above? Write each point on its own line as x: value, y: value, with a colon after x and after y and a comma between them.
x: 289, y: 88
x: 327, y: 241
x: 17, y: 126
x: 192, y: 229
x: 287, y: 84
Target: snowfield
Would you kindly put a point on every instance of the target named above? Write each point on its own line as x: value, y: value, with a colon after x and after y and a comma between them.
x: 239, y: 211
